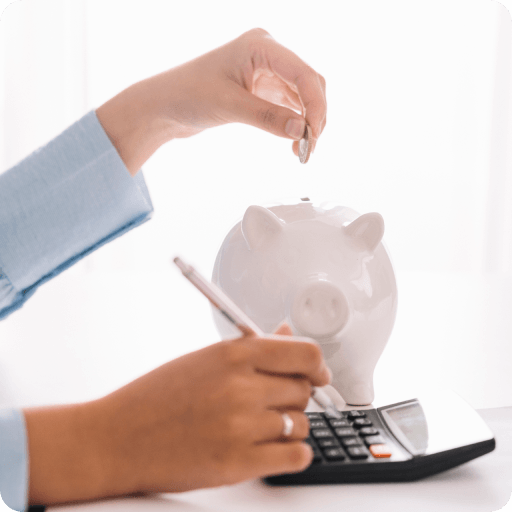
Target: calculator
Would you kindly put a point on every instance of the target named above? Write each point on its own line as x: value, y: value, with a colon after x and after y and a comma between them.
x: 404, y: 441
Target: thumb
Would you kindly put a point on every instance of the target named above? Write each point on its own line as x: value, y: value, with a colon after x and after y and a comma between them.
x: 255, y: 111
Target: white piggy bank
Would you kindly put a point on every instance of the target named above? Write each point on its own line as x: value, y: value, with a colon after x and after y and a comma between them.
x: 321, y: 268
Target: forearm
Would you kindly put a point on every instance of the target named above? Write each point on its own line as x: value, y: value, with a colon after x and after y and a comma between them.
x: 60, y: 203
x: 70, y: 455
x: 134, y: 123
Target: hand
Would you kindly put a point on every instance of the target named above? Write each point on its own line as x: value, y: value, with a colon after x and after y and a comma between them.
x: 209, y: 418
x: 212, y: 417
x: 253, y: 80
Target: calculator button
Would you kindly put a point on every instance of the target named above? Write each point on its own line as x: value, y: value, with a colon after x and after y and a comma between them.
x: 351, y: 441
x: 317, y: 456
x: 362, y: 422
x: 328, y: 414
x: 334, y: 454
x: 368, y: 440
x: 357, y: 452
x: 352, y: 415
x: 344, y: 432
x: 368, y: 431
x: 380, y: 451
x: 314, y: 415
x: 330, y: 442
x: 339, y: 423
x: 324, y: 432
x: 317, y: 424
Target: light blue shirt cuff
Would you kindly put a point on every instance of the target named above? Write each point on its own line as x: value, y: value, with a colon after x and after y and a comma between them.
x: 61, y: 203
x: 13, y: 459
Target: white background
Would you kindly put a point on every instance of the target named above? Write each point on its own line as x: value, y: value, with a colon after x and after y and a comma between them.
x: 419, y: 129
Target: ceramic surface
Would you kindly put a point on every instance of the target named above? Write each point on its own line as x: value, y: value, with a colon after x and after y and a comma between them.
x: 323, y: 269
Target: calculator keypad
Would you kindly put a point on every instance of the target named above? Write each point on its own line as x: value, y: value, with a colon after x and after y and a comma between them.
x: 354, y: 437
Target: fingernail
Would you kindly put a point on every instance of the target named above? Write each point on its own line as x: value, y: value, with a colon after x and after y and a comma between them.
x: 295, y: 128
x: 282, y: 325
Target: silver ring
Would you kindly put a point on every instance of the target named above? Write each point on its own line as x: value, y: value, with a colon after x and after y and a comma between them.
x: 287, y: 424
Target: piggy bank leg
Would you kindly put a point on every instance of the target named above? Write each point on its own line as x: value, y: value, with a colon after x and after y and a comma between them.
x: 354, y: 384
x: 355, y: 389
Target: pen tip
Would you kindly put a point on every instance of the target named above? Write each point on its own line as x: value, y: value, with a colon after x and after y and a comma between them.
x: 333, y: 411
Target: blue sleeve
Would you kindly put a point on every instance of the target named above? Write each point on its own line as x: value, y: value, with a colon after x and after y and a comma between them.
x: 13, y: 459
x: 56, y: 206
x: 61, y: 203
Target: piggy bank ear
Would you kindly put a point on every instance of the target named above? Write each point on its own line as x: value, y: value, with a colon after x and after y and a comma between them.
x: 367, y: 230
x: 260, y: 226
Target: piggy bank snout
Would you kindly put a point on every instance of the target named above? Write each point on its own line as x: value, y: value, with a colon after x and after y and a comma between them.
x: 319, y: 310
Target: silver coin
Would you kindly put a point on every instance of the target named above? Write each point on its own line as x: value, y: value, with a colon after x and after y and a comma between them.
x: 305, y: 145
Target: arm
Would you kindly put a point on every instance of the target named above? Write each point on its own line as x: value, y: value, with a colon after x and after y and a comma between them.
x: 44, y: 230
x: 84, y: 451
x: 206, y: 419
x: 52, y: 213
x: 61, y: 203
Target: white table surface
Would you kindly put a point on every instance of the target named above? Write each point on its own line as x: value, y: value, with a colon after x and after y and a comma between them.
x: 481, y: 485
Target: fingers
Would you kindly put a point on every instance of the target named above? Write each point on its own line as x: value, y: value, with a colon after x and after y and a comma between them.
x: 287, y: 356
x: 276, y: 458
x: 271, y: 427
x: 276, y: 91
x: 309, y: 85
x: 278, y: 392
x: 279, y: 90
x: 268, y: 426
x: 255, y: 111
x: 312, y: 94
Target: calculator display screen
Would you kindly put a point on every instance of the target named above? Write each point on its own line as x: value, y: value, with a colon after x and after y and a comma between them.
x: 434, y: 422
x: 411, y: 421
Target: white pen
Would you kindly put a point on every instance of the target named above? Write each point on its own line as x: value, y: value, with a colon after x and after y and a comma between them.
x: 236, y: 316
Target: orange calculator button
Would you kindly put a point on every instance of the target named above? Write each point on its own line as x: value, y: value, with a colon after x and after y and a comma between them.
x: 380, y: 451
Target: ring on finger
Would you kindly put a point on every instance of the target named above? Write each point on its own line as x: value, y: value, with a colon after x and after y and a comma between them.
x: 287, y: 425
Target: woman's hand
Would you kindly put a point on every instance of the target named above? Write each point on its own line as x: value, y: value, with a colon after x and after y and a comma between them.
x: 209, y: 418
x: 213, y: 417
x: 253, y: 80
